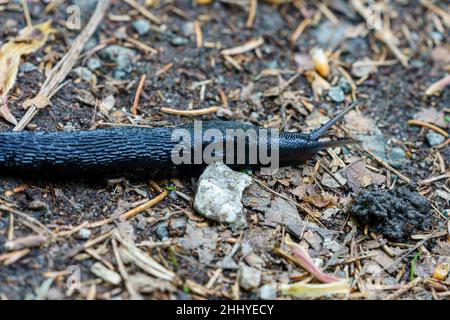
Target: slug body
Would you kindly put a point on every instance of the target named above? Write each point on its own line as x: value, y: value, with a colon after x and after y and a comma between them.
x: 148, y: 151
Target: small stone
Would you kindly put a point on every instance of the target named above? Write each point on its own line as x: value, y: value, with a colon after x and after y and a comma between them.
x: 27, y: 67
x: 103, y: 272
x: 119, y: 74
x: 344, y: 85
x: 107, y: 105
x: 121, y: 56
x: 179, y: 41
x: 91, y: 43
x: 84, y: 73
x: 84, y: 234
x: 329, y: 213
x: 178, y: 226
x: 249, y: 278
x: 336, y: 94
x: 162, y: 232
x: 434, y: 138
x: 219, y: 194
x: 38, y: 205
x: 330, y: 182
x: 328, y: 34
x: 375, y: 143
x: 187, y: 29
x: 397, y: 158
x: 69, y: 127
x: 141, y: 26
x: 94, y: 64
x: 268, y: 292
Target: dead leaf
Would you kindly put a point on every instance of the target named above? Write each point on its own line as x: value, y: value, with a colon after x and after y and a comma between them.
x: 6, y: 114
x: 319, y: 200
x: 441, y: 55
x: 304, y: 61
x: 303, y: 258
x: 29, y: 40
x: 318, y: 84
x: 364, y: 68
x: 203, y: 240
x: 360, y: 177
x: 299, y: 191
x: 357, y: 121
x: 40, y: 102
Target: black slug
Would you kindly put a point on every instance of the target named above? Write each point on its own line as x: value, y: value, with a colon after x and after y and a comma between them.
x: 150, y: 151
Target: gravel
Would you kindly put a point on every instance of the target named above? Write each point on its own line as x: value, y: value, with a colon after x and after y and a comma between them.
x: 219, y: 194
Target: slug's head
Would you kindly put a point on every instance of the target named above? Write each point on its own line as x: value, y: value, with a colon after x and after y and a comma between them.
x: 299, y: 147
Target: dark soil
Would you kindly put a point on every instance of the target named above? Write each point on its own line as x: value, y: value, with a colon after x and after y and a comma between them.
x: 397, y: 214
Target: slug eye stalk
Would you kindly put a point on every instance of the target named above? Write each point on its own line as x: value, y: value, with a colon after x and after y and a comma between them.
x: 319, y: 132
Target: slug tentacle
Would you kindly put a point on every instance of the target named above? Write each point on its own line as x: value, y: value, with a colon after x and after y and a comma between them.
x: 319, y: 132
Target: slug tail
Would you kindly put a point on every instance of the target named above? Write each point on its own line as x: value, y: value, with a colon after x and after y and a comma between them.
x: 316, y: 134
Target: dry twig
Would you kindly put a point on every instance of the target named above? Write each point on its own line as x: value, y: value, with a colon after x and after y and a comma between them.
x: 59, y: 72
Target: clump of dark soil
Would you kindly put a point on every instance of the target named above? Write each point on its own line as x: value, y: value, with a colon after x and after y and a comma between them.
x: 397, y: 214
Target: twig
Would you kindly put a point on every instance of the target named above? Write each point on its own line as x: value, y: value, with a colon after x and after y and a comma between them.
x: 404, y: 289
x: 233, y: 62
x: 90, y: 243
x: 198, y: 34
x: 134, y: 295
x: 11, y: 257
x: 164, y: 69
x: 140, y: 87
x: 432, y: 7
x: 142, y: 46
x: 429, y: 126
x: 414, y: 248
x: 438, y: 86
x: 53, y: 82
x: 387, y: 166
x: 434, y: 179
x: 131, y: 213
x: 29, y: 221
x: 382, y: 33
x: 25, y: 242
x: 150, y: 16
x: 197, y: 112
x: 251, y: 13
x: 246, y: 47
x: 299, y: 30
x: 26, y: 13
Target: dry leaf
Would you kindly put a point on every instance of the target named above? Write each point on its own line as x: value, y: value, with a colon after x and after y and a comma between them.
x: 304, y: 61
x: 299, y: 191
x: 29, y: 40
x: 438, y: 86
x: 360, y: 177
x: 303, y: 258
x: 319, y: 200
x: 364, y: 68
x: 308, y: 290
x: 6, y: 113
x: 441, y: 55
x: 360, y: 123
x: 40, y: 101
x: 318, y: 84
